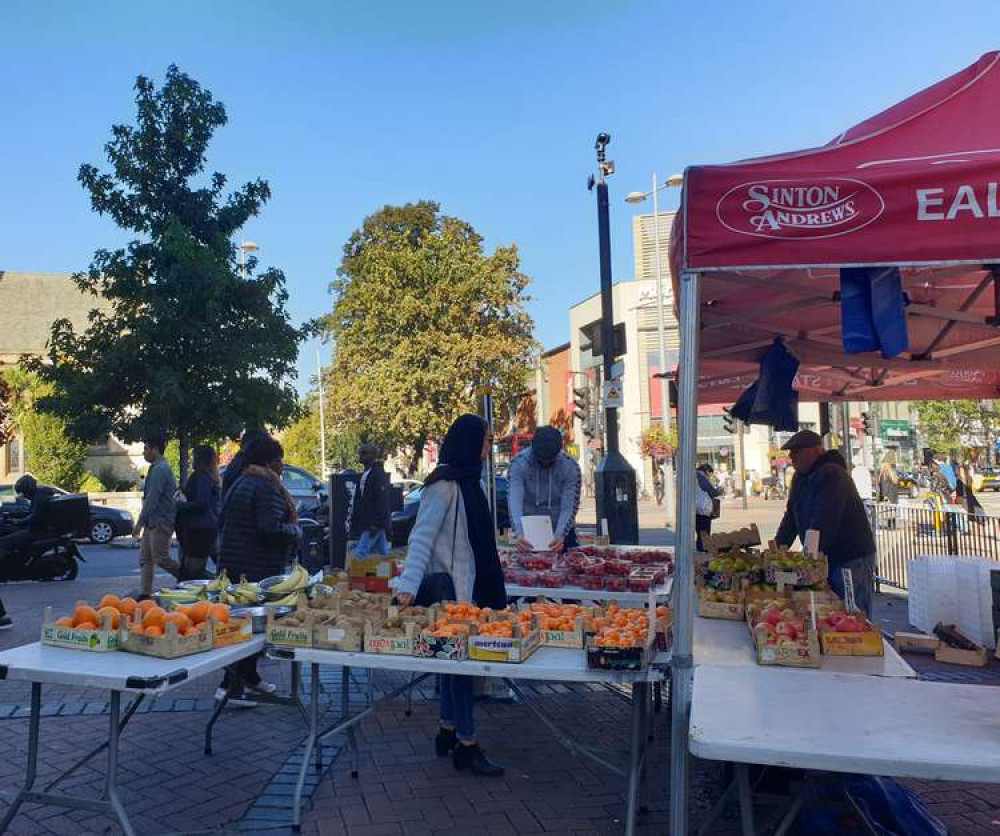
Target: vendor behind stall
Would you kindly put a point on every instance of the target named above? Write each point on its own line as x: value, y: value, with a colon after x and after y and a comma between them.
x: 824, y: 498
x: 545, y: 481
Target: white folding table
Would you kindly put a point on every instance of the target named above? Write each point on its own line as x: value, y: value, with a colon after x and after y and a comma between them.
x: 546, y: 664
x: 116, y: 672
x: 839, y: 722
x: 578, y: 593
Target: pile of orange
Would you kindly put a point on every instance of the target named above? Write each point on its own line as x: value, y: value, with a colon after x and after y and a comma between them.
x: 468, y: 612
x: 620, y: 627
x: 107, y: 614
x: 503, y: 629
x: 443, y: 628
x: 187, y: 620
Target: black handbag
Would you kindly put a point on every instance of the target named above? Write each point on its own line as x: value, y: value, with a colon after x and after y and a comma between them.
x: 439, y: 586
x: 716, y: 508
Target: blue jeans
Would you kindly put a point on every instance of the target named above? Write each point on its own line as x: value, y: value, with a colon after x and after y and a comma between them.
x: 457, y: 705
x: 863, y: 578
x: 369, y: 544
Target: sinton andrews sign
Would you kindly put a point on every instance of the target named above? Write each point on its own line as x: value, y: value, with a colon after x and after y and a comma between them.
x: 799, y: 209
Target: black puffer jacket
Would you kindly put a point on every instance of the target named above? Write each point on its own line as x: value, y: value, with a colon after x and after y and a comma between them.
x: 257, y: 532
x: 826, y: 499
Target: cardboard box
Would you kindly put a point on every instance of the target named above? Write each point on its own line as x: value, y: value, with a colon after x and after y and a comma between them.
x: 708, y: 608
x: 617, y: 658
x: 441, y: 647
x: 234, y: 631
x: 516, y: 648
x: 280, y: 632
x: 798, y: 655
x: 170, y: 645
x: 329, y: 635
x: 868, y: 643
x: 916, y: 643
x: 101, y: 640
x: 953, y: 656
x: 377, y: 641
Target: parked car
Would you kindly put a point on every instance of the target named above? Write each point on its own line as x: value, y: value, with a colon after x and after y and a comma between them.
x: 300, y: 483
x: 907, y: 483
x: 402, y: 521
x: 991, y: 479
x: 408, y: 485
x: 105, y: 523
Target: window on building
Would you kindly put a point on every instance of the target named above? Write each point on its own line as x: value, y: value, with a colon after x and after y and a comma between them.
x: 14, y: 463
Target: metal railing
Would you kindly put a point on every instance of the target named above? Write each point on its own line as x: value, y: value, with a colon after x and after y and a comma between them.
x: 917, y: 527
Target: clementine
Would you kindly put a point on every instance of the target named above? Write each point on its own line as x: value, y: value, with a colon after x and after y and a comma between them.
x: 154, y: 630
x: 111, y: 614
x: 145, y: 606
x: 127, y: 606
x: 154, y: 616
x: 85, y: 625
x: 66, y: 621
x: 198, y: 612
x: 110, y: 601
x: 84, y: 613
x: 136, y: 628
x: 179, y: 620
x: 220, y: 612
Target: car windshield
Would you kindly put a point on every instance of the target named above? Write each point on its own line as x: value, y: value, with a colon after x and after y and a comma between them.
x: 297, y: 480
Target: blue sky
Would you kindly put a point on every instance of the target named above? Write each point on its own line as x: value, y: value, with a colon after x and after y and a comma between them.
x: 489, y: 108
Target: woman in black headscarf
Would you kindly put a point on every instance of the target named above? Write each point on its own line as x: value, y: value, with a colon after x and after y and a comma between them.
x: 452, y: 554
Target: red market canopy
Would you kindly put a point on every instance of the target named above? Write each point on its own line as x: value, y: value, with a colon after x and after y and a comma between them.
x: 914, y: 186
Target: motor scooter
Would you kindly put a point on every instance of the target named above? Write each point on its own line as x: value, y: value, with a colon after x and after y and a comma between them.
x: 50, y: 553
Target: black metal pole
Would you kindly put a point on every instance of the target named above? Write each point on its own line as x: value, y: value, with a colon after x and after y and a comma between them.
x: 607, y: 310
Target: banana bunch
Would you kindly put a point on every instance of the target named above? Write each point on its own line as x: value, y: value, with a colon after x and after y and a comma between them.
x: 242, y: 594
x: 289, y: 600
x: 294, y: 581
x: 173, y: 597
x: 220, y: 583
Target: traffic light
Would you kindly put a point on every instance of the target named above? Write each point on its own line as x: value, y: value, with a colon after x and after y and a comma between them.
x: 727, y: 419
x: 583, y: 410
x: 866, y: 423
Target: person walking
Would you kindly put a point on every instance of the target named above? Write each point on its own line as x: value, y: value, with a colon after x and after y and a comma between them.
x: 155, y: 526
x: 862, y: 478
x: 452, y: 554
x: 545, y: 481
x: 198, y: 515
x: 259, y: 533
x: 370, y: 516
x: 888, y: 490
x: 825, y: 499
x: 705, y: 503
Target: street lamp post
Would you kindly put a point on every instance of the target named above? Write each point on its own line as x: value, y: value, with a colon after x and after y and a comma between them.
x: 639, y: 197
x: 246, y: 247
x: 322, y: 413
x: 617, y: 503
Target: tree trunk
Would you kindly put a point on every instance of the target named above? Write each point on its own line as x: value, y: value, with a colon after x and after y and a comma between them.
x: 418, y: 454
x: 183, y: 442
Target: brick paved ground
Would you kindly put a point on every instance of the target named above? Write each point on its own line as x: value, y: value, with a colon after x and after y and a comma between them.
x: 169, y: 786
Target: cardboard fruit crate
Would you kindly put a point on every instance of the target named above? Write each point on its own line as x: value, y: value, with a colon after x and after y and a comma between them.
x: 378, y: 641
x: 708, y: 608
x: 234, y: 631
x: 334, y: 636
x: 795, y: 655
x: 515, y: 648
x: 441, y: 647
x: 170, y: 645
x: 799, y: 575
x: 279, y: 631
x: 915, y: 642
x: 618, y: 658
x: 837, y: 643
x: 101, y: 640
x: 575, y: 639
x: 955, y: 656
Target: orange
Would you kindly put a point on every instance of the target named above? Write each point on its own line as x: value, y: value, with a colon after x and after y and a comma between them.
x: 137, y: 629
x: 220, y: 612
x: 85, y: 625
x: 64, y: 622
x: 145, y: 606
x: 184, y: 608
x: 110, y: 613
x: 198, y: 612
x: 84, y: 613
x: 154, y: 630
x: 126, y: 606
x: 110, y: 601
x: 154, y: 616
x: 179, y: 620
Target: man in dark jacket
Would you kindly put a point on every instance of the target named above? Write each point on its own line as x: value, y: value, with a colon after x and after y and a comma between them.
x: 824, y: 498
x: 26, y: 529
x: 370, y: 517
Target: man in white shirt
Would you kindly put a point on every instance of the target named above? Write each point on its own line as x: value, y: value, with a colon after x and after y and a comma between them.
x: 863, y: 482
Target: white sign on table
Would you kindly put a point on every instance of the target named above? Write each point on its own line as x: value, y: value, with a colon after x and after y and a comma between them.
x: 538, y: 531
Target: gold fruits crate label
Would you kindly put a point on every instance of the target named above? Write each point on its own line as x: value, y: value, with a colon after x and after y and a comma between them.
x: 101, y: 640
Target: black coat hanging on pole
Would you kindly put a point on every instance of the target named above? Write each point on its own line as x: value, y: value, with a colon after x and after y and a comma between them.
x: 771, y: 400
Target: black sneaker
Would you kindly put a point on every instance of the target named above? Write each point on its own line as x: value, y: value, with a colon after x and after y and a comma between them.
x: 235, y: 700
x: 445, y: 741
x: 6, y: 623
x: 474, y: 759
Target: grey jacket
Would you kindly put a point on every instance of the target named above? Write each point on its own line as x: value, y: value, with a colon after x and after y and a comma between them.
x: 158, y: 505
x: 439, y: 542
x: 544, y: 491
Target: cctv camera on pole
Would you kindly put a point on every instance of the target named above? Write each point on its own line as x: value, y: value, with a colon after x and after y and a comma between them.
x: 617, y: 503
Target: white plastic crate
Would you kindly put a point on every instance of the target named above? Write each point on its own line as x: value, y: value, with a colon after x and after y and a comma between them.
x: 955, y: 590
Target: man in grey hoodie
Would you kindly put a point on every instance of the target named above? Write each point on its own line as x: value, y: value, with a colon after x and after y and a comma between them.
x: 545, y: 481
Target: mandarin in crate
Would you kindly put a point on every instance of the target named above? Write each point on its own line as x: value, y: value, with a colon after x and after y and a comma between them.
x: 137, y: 628
x: 179, y: 620
x: 83, y: 613
x: 145, y: 606
x: 220, y: 612
x: 65, y: 621
x: 154, y: 616
x: 198, y: 612
x: 154, y: 630
x: 127, y: 606
x: 110, y: 600
x: 85, y: 625
x: 111, y: 614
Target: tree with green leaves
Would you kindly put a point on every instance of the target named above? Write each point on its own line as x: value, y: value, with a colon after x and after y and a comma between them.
x: 422, y: 317
x: 301, y: 438
x: 190, y: 341
x: 948, y: 426
x: 52, y: 455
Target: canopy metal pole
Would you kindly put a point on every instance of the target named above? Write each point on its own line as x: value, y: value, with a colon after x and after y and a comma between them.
x: 683, y: 591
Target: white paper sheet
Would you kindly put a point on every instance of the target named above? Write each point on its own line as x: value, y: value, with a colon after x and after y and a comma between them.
x: 538, y: 532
